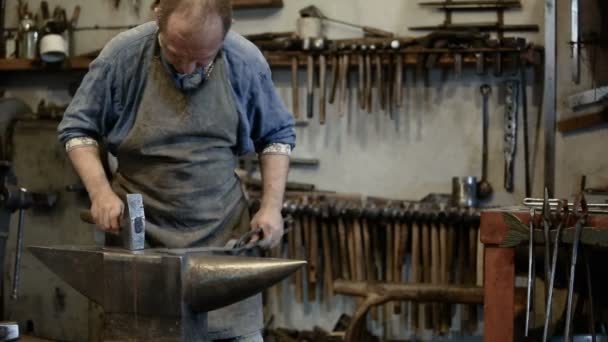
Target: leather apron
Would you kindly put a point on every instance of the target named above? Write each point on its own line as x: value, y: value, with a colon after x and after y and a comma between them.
x: 180, y: 156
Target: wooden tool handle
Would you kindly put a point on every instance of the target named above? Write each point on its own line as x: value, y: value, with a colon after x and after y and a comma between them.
x: 344, y: 89
x: 310, y: 84
x: 85, y: 216
x: 360, y: 260
x: 336, y: 68
x: 344, y: 248
x: 380, y: 80
x: 415, y: 272
x: 328, y: 281
x: 372, y: 31
x: 368, y: 83
x: 295, y: 87
x: 361, y: 82
x: 398, y: 80
x: 313, y: 259
x: 299, y: 247
x: 322, y: 88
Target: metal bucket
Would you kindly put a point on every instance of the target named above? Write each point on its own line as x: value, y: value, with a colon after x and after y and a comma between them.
x: 464, y: 192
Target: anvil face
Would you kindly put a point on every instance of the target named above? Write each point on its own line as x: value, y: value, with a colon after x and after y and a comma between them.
x: 160, y: 281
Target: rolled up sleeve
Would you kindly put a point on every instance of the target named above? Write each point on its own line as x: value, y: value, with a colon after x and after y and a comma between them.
x: 272, y: 123
x: 89, y: 113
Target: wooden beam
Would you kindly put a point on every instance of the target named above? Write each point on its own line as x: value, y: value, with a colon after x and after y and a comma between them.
x: 583, y: 121
x: 243, y: 4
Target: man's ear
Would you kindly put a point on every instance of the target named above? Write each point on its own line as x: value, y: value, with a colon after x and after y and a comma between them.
x: 157, y: 14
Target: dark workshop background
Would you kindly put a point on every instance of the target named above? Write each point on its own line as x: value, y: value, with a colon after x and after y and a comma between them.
x: 436, y: 136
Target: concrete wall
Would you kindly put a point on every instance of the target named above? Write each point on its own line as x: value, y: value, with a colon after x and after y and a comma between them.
x: 436, y: 136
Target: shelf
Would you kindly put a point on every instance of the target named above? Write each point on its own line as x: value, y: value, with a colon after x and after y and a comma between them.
x: 411, y: 57
x: 245, y: 4
x: 283, y: 59
x: 21, y: 64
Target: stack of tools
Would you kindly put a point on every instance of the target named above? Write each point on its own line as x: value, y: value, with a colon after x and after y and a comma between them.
x: 499, y: 6
x: 381, y: 65
x: 355, y: 241
x: 557, y: 225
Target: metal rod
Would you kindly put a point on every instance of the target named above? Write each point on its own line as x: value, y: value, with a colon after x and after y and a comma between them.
x: 580, y: 210
x: 531, y: 276
x: 18, y: 252
x: 554, y: 202
x: 549, y: 305
x: 480, y: 26
x: 586, y: 260
x: 576, y: 46
x: 546, y: 222
x: 524, y: 102
x: 549, y: 97
x: 472, y: 5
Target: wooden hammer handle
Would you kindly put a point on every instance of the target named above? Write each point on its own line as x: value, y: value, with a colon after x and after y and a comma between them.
x: 85, y: 216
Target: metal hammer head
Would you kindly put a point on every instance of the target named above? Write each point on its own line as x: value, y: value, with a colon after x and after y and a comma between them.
x: 133, y: 232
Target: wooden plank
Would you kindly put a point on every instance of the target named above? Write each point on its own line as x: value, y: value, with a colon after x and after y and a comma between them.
x: 583, y: 122
x: 246, y: 4
x: 22, y: 64
x: 499, y: 294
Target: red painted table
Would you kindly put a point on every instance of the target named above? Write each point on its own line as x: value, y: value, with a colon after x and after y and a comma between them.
x: 499, y: 273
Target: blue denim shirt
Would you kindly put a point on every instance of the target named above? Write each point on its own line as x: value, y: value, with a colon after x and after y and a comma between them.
x: 106, y: 103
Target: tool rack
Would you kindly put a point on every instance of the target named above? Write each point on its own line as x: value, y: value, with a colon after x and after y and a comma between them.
x: 532, y: 56
x: 499, y: 272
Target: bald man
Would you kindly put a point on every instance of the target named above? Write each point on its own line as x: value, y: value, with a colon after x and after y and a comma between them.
x: 176, y: 101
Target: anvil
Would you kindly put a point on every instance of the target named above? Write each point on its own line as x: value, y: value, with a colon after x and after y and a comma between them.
x: 161, y: 294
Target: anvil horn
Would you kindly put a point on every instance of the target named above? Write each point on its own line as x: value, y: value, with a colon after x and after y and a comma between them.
x: 211, y: 281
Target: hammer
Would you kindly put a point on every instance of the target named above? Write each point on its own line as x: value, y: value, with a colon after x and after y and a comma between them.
x: 133, y: 223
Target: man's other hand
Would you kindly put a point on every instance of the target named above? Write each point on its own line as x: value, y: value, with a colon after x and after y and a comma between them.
x: 107, y: 209
x: 271, y: 222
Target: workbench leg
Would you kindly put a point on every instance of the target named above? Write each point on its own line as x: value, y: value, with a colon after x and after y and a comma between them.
x: 499, y: 294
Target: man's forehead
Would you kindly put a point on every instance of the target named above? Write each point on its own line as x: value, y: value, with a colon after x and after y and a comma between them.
x: 196, y: 33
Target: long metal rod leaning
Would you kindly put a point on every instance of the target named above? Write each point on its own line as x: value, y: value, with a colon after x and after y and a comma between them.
x: 549, y: 306
x: 531, y: 276
x: 580, y: 210
x: 18, y: 252
x: 546, y: 222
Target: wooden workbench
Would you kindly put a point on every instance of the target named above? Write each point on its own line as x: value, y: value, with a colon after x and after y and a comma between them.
x: 499, y: 273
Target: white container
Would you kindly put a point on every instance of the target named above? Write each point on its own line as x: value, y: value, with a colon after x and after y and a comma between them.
x: 53, y: 48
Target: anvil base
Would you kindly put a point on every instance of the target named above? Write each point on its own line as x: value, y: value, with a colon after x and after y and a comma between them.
x: 120, y: 327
